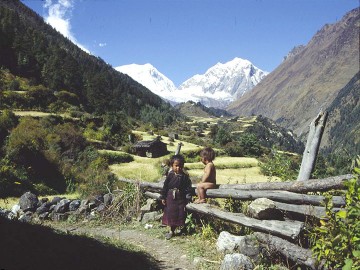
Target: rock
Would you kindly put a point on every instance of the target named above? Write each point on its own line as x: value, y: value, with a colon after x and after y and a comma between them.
x: 62, y: 206
x: 16, y: 209
x: 99, y: 199
x: 59, y: 216
x: 26, y: 217
x: 264, y: 208
x: 56, y: 200
x: 101, y: 207
x: 74, y: 205
x: 247, y: 245
x: 148, y: 207
x: 152, y: 216
x: 44, y: 215
x: 28, y: 201
x: 227, y: 243
x: 42, y: 209
x: 236, y: 261
x: 108, y: 199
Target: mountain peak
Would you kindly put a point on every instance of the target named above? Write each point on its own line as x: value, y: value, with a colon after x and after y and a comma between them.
x: 221, y: 84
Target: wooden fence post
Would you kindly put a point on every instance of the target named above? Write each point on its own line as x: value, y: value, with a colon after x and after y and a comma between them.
x: 178, y: 148
x: 317, y: 127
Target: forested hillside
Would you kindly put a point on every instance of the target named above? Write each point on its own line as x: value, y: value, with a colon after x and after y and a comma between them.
x: 34, y: 50
x: 78, y: 104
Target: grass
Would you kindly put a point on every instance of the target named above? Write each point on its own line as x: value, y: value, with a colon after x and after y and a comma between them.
x: 234, y: 176
x: 230, y: 170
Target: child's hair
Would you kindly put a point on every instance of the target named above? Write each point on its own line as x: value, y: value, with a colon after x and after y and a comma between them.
x: 208, y: 153
x: 180, y: 158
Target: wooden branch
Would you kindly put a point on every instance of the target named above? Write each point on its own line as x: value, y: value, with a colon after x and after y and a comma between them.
x: 147, y: 185
x: 275, y: 195
x: 276, y: 245
x: 287, y: 229
x: 152, y: 195
x: 335, y: 182
x: 317, y: 127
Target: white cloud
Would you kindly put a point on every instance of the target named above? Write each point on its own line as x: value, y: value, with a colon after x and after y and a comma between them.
x: 102, y: 44
x: 59, y: 15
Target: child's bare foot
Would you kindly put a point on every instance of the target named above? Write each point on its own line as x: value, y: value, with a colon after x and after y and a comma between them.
x: 200, y: 201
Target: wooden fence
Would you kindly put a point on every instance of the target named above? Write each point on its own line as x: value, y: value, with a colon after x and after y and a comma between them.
x: 291, y: 198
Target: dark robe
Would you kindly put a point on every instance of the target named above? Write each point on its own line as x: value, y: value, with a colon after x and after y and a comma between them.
x: 177, y: 193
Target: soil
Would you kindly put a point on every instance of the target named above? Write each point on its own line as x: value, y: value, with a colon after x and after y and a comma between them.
x: 30, y: 246
x: 167, y: 254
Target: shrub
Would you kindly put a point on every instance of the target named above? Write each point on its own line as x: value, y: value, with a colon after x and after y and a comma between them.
x: 116, y: 157
x: 336, y: 241
x: 280, y: 165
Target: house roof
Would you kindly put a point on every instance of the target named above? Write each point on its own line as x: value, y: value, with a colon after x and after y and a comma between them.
x: 141, y: 144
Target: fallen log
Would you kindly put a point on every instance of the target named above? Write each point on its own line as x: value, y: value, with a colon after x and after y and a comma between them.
x: 267, y: 209
x: 275, y: 245
x: 286, y: 229
x: 306, y: 210
x: 275, y: 195
x: 335, y: 182
x: 152, y: 195
x: 147, y: 185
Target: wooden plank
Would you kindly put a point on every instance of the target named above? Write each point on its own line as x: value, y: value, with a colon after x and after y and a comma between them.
x: 286, y: 229
x: 335, y: 182
x: 275, y: 245
x: 275, y: 195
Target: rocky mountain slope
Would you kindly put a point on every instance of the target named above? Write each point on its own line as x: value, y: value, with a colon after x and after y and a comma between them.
x: 309, y: 79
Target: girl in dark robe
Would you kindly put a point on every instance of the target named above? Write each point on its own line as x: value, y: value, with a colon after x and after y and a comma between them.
x: 176, y: 193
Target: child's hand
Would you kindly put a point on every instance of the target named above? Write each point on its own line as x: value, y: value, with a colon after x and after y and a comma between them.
x: 163, y: 202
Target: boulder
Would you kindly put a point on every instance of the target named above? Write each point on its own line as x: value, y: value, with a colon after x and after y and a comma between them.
x: 108, y: 199
x: 62, y: 206
x: 42, y: 209
x: 247, y: 245
x: 56, y: 200
x: 28, y: 201
x: 74, y: 205
x: 151, y: 216
x: 236, y: 261
x: 264, y: 208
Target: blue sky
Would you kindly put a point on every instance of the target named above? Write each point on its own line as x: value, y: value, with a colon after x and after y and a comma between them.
x: 182, y: 38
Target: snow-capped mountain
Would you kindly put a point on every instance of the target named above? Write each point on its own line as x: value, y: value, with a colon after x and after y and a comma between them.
x: 149, y: 77
x: 220, y: 85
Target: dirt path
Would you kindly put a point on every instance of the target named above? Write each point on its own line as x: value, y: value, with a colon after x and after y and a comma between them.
x: 166, y: 252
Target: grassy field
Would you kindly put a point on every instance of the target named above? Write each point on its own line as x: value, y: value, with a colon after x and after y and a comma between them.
x: 230, y: 170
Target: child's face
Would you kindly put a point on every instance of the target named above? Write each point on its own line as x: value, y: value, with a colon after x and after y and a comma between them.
x: 177, y: 166
x: 203, y: 160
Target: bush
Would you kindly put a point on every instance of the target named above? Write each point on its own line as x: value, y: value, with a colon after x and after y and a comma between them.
x: 280, y: 165
x: 116, y: 157
x: 336, y: 241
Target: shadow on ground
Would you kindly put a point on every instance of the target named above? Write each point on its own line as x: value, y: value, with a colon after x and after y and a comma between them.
x: 26, y: 246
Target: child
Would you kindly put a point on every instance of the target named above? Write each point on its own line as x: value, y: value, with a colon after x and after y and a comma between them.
x: 208, y: 180
x: 175, y: 194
